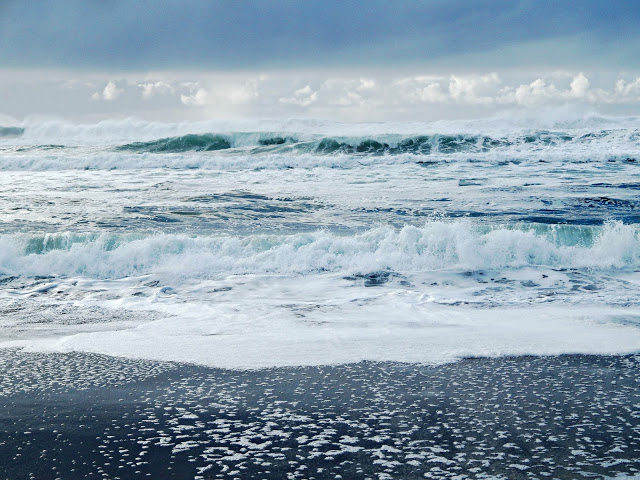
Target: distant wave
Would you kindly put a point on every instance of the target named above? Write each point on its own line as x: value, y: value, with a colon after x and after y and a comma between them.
x: 11, y: 131
x: 382, y: 144
x: 207, y: 142
x: 122, y: 131
x: 260, y: 142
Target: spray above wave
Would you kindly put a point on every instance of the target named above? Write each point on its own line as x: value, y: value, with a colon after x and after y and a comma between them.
x: 128, y: 130
x: 437, y: 245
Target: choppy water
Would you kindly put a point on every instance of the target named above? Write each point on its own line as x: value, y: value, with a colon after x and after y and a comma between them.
x: 246, y: 244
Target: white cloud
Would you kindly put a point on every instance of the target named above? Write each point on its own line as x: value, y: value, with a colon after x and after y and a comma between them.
x: 302, y: 97
x: 111, y: 92
x: 534, y: 93
x: 333, y: 92
x: 245, y: 92
x: 459, y: 89
x: 197, y: 96
x: 625, y: 89
x: 347, y: 92
x: 579, y: 85
x: 474, y: 89
x: 425, y: 89
x: 366, y: 84
x: 545, y: 91
x: 375, y: 96
x: 151, y: 89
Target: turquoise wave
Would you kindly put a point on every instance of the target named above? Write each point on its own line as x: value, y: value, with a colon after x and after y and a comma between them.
x: 383, y: 144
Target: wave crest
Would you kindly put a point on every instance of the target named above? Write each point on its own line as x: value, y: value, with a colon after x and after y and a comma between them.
x: 436, y: 245
x: 382, y: 144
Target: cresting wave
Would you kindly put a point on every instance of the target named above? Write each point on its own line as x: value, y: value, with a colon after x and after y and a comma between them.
x: 384, y: 144
x: 389, y: 144
x: 11, y: 131
x: 436, y: 245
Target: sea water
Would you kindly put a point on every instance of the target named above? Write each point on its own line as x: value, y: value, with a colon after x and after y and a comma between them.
x: 248, y: 244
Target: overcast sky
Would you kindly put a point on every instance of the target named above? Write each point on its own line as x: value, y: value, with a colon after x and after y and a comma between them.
x: 349, y: 60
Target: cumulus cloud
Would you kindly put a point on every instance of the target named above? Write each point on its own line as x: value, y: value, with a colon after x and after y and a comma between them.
x: 244, y: 92
x: 419, y: 88
x: 626, y: 89
x: 358, y: 97
x: 475, y: 89
x: 349, y: 92
x: 151, y: 89
x: 377, y: 96
x: 543, y: 91
x: 465, y: 89
x: 110, y: 92
x: 302, y: 97
x: 333, y: 92
x: 490, y: 90
x: 579, y: 85
x: 197, y: 96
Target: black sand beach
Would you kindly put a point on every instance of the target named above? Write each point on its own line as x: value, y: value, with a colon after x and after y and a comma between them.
x: 72, y: 416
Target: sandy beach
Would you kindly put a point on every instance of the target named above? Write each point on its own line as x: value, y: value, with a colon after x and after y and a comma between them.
x: 73, y: 416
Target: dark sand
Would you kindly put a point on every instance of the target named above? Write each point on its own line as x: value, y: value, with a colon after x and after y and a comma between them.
x: 89, y: 416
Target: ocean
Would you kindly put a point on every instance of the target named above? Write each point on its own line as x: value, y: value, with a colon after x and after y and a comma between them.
x: 251, y: 244
x: 318, y: 300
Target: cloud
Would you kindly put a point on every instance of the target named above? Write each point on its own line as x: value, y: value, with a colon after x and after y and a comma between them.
x: 489, y: 91
x: 110, y: 92
x: 349, y: 92
x: 151, y: 89
x: 302, y: 97
x: 244, y: 92
x: 579, y: 85
x: 543, y: 91
x: 474, y: 89
x: 626, y: 89
x: 420, y: 88
x: 361, y: 96
x: 224, y: 36
x: 197, y: 97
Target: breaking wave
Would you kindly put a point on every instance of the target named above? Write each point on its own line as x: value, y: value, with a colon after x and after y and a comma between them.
x: 390, y: 144
x: 11, y: 131
x: 436, y: 245
x: 206, y: 143
x: 134, y: 144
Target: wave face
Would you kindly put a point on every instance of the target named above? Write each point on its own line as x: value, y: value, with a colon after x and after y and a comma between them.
x: 294, y: 242
x: 418, y: 145
x: 197, y: 143
x: 11, y: 131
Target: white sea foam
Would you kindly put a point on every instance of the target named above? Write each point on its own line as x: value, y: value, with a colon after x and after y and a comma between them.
x: 276, y: 321
x: 430, y: 294
x: 436, y: 245
x: 261, y: 254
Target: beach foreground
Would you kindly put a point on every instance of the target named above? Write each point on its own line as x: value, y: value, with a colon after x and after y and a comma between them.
x: 90, y: 416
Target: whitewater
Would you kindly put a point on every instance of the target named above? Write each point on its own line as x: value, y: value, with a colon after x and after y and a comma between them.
x: 261, y: 243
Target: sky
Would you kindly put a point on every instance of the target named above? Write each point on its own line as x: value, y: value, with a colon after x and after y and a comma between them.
x: 367, y: 60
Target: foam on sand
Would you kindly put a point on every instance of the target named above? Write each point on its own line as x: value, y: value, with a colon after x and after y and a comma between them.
x: 265, y: 321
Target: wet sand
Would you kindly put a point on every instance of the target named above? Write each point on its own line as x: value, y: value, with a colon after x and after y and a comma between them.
x: 73, y: 416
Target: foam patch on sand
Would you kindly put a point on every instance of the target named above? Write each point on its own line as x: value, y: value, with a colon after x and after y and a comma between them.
x: 257, y: 322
